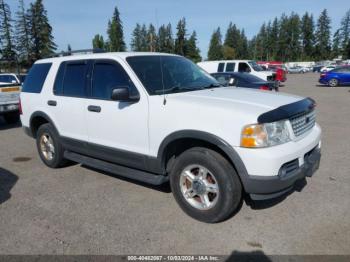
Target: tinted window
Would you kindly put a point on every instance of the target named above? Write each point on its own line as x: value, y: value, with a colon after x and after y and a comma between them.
x: 221, y: 67
x: 75, y: 79
x: 108, y: 76
x: 170, y: 74
x: 243, y: 67
x: 230, y: 67
x: 341, y: 70
x: 35, y: 80
x: 58, y: 87
x: 7, y: 78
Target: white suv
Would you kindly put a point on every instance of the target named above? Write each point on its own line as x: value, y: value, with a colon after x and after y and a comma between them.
x: 158, y: 117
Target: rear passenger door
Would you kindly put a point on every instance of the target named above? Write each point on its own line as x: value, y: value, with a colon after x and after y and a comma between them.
x: 118, y: 131
x: 68, y: 104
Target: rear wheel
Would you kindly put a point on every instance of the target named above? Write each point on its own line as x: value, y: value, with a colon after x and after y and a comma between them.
x: 11, y: 118
x: 49, y: 147
x: 333, y: 82
x: 205, y: 185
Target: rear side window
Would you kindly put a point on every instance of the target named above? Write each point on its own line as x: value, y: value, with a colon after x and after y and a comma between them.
x: 71, y: 79
x: 221, y: 67
x: 108, y: 76
x: 7, y: 78
x: 36, y: 78
x: 75, y: 79
x: 230, y: 67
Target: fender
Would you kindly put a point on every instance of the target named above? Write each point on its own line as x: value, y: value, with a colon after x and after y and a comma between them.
x: 43, y: 115
x: 210, y: 138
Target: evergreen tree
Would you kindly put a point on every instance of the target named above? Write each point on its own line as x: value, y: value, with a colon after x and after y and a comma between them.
x: 261, y: 41
x: 136, y: 41
x: 347, y: 51
x: 192, y: 51
x: 294, y: 37
x: 242, y: 49
x: 344, y: 32
x: 23, y: 45
x: 6, y: 33
x: 336, y: 48
x: 143, y: 37
x: 228, y: 52
x: 180, y: 42
x: 307, y: 36
x: 165, y: 39
x: 323, y: 33
x: 215, y: 51
x: 152, y: 39
x: 283, y: 40
x: 41, y: 38
x: 273, y: 39
x: 115, y: 33
x: 98, y: 42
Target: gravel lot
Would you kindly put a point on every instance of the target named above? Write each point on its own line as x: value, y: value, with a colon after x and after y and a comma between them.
x: 77, y: 210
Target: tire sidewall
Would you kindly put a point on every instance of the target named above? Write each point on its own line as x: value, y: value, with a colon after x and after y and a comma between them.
x: 229, y: 188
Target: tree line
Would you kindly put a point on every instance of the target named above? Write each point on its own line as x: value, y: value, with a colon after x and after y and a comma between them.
x: 26, y: 36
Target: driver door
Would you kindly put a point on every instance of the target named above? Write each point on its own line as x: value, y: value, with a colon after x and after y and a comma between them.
x: 117, y: 131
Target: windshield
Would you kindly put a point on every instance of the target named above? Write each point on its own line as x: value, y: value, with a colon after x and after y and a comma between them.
x: 170, y: 74
x: 255, y: 66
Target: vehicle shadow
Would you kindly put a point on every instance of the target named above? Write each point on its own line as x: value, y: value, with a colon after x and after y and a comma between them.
x: 5, y: 126
x: 164, y: 188
x: 7, y: 182
x: 264, y: 204
x: 257, y: 255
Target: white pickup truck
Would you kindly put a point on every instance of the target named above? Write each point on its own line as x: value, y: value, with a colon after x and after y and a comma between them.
x: 9, y: 102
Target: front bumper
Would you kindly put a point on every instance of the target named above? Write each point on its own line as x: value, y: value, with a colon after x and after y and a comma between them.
x: 261, y: 188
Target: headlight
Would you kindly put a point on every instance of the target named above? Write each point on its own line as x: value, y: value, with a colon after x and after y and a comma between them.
x: 265, y: 135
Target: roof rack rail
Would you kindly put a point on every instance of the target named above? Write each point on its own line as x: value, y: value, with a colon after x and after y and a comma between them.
x: 82, y: 51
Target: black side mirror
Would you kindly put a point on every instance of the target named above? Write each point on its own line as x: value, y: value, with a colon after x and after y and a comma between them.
x: 122, y: 94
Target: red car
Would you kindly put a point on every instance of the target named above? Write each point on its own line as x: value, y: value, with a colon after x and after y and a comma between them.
x: 281, y: 74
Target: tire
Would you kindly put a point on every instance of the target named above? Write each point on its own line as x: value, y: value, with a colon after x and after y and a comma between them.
x: 221, y: 178
x: 12, y: 118
x: 51, y: 152
x: 333, y: 82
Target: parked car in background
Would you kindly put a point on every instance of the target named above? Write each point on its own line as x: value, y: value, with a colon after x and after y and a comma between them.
x: 317, y: 68
x: 335, y: 77
x: 327, y: 68
x: 246, y: 66
x: 9, y: 79
x: 9, y: 102
x: 244, y: 80
x: 297, y: 70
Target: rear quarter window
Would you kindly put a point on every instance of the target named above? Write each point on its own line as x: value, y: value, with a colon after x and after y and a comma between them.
x: 36, y: 78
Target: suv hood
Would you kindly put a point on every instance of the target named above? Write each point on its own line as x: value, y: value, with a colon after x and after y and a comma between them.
x: 239, y: 98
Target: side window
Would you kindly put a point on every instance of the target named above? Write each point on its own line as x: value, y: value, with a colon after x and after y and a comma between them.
x: 221, y: 67
x: 74, y: 82
x: 108, y: 76
x: 58, y: 87
x: 36, y: 78
x: 230, y: 67
x: 244, y: 67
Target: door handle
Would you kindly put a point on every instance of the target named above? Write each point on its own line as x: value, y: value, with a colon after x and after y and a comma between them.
x: 96, y: 109
x: 52, y: 103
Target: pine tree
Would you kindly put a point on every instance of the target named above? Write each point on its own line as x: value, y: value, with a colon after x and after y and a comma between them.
x: 215, y: 47
x: 323, y: 32
x: 6, y: 33
x: 115, y: 33
x: 143, y: 37
x: 232, y: 42
x: 41, y: 38
x: 294, y: 37
x: 192, y: 51
x: 273, y: 39
x: 165, y: 39
x: 152, y: 39
x: 283, y: 40
x: 336, y: 47
x: 98, y: 42
x: 180, y: 41
x: 307, y: 36
x: 243, y: 52
x: 136, y: 41
x: 344, y: 33
x: 23, y: 45
x: 347, y: 51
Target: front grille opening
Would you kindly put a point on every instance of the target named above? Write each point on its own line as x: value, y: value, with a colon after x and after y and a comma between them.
x: 303, y: 122
x: 289, y: 168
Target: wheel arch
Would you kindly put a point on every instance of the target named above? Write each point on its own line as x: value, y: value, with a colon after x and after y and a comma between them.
x: 180, y: 141
x: 37, y: 119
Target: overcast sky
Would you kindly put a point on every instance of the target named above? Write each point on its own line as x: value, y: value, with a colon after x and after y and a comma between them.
x: 75, y: 22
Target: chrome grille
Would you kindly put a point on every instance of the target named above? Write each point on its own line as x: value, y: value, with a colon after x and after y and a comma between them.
x: 303, y: 122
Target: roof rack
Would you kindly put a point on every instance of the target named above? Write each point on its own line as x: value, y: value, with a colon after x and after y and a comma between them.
x: 80, y: 52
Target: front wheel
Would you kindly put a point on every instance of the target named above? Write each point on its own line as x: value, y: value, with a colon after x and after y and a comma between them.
x: 333, y: 82
x: 205, y: 185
